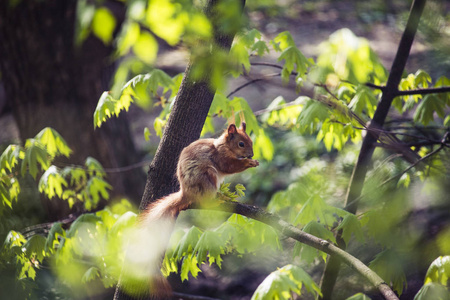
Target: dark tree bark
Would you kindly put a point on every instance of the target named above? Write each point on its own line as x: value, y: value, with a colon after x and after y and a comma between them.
x: 368, y: 145
x: 49, y: 81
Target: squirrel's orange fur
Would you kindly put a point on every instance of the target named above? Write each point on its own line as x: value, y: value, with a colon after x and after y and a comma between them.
x: 201, y: 169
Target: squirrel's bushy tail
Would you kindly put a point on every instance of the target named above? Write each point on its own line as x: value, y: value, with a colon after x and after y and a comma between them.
x: 148, y: 244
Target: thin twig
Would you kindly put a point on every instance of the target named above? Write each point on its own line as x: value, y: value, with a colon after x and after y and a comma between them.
x: 176, y: 295
x: 439, y: 90
x: 420, y: 160
x: 251, y: 82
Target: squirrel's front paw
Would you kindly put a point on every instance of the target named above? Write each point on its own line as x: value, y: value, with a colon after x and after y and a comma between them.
x: 253, y: 163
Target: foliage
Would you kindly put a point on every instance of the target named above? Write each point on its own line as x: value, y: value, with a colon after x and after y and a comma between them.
x: 338, y: 95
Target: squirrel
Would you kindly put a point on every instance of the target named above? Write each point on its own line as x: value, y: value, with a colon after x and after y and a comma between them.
x: 201, y: 169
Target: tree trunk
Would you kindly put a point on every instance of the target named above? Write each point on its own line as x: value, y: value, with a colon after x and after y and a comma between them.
x: 49, y: 81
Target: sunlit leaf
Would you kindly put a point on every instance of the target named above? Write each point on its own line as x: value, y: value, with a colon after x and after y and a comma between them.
x: 97, y: 188
x: 91, y: 274
x: 146, y: 47
x: 211, y: 246
x: 35, y: 247
x: 439, y: 271
x: 312, y: 113
x: 10, y: 157
x: 52, y: 183
x: 54, y: 235
x: 35, y: 154
x: 103, y: 24
x: 53, y: 142
x: 284, y: 281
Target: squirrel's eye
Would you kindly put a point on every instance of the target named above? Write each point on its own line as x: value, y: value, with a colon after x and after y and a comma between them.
x: 241, y: 144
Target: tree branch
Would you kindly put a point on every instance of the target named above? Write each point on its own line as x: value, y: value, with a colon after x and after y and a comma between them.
x: 291, y: 231
x: 251, y: 82
x: 359, y: 172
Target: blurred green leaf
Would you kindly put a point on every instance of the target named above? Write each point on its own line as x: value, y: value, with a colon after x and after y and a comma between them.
x: 91, y: 274
x: 103, y: 24
x: 359, y: 296
x: 307, y: 253
x: 35, y: 247
x: 284, y: 281
x: 429, y: 105
x: 146, y: 47
x: 53, y: 237
x: 387, y: 265
x: 433, y: 291
x: 351, y: 225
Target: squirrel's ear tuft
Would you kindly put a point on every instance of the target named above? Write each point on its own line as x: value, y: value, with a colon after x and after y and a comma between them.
x: 243, y: 126
x: 232, y: 130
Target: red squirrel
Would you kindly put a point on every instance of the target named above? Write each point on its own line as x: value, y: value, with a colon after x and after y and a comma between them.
x: 201, y: 169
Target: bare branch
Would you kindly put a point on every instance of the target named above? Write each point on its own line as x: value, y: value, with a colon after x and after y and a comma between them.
x: 251, y: 82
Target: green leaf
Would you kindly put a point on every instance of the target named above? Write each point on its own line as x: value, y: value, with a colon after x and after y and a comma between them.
x: 359, y: 296
x: 294, y: 60
x: 94, y: 166
x: 126, y: 220
x: 263, y: 146
x: 52, y: 183
x: 34, y: 153
x: 364, y: 100
x: 97, y: 188
x: 439, y: 271
x: 433, y: 291
x: 53, y: 142
x: 387, y: 265
x: 187, y: 243
x: 107, y: 107
x: 430, y: 104
x: 240, y: 190
x: 147, y: 134
x: 209, y: 245
x: 103, y: 24
x: 128, y: 37
x: 239, y: 58
x: 10, y: 157
x: 14, y: 239
x: 91, y: 274
x: 260, y: 47
x: 284, y: 281
x: 314, y: 209
x: 313, y: 112
x: 307, y: 253
x: 35, y: 246
x: 146, y: 47
x: 351, y: 225
x: 422, y: 79
x: 189, y: 265
x: 79, y: 223
x: 282, y: 41
x: 54, y: 235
